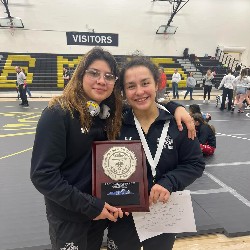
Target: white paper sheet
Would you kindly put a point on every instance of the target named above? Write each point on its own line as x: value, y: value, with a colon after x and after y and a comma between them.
x: 175, y: 216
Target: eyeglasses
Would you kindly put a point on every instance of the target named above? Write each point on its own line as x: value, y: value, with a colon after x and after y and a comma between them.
x: 96, y: 74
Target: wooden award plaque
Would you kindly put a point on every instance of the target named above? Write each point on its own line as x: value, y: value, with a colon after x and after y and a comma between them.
x: 119, y: 174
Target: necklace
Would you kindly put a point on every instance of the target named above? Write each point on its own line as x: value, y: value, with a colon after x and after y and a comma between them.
x: 153, y: 161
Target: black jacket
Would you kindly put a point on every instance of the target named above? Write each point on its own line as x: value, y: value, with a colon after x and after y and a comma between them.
x: 206, y: 135
x: 61, y: 164
x: 181, y: 161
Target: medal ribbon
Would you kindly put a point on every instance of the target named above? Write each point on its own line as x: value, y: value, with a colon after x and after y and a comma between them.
x: 153, y: 161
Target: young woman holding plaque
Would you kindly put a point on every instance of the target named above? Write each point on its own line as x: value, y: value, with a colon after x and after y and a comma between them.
x: 173, y: 160
x: 88, y: 110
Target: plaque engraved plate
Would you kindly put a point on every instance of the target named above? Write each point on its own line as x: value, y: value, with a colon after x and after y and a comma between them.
x: 121, y: 193
x: 119, y: 174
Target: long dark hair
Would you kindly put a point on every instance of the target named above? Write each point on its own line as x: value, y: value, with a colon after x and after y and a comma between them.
x: 194, y: 108
x: 199, y: 118
x: 73, y: 97
x: 243, y: 73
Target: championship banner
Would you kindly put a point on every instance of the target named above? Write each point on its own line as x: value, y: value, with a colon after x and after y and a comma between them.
x: 92, y: 39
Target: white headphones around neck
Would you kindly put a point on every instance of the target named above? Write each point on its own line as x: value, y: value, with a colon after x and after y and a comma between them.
x: 95, y: 109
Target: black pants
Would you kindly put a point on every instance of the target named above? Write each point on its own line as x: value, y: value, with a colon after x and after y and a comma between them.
x: 23, y: 94
x: 65, y: 83
x: 122, y: 235
x: 79, y: 236
x: 207, y: 91
x: 227, y: 93
x: 189, y: 90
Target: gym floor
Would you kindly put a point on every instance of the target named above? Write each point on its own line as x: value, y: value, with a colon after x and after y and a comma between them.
x: 221, y: 197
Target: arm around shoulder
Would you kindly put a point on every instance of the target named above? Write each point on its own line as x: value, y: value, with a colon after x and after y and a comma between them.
x: 190, y: 164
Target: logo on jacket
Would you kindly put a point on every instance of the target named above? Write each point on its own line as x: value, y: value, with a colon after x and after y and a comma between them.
x: 69, y: 246
x: 112, y: 245
x: 84, y: 130
x: 128, y: 138
x: 168, y: 142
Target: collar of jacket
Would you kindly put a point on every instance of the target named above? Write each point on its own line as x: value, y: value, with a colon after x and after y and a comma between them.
x: 173, y: 131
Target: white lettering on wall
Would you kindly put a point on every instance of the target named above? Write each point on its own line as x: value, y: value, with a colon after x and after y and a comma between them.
x: 109, y: 38
x: 75, y: 37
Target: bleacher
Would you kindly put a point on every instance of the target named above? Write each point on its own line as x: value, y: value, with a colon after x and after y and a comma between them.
x: 206, y: 63
x: 44, y: 71
x: 170, y: 64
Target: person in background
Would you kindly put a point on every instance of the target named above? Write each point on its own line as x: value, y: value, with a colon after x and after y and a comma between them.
x: 162, y: 85
x: 205, y: 134
x: 207, y: 85
x: 217, y: 53
x: 89, y: 109
x: 26, y: 86
x: 237, y: 71
x: 21, y: 81
x: 241, y: 83
x: 227, y: 84
x: 191, y: 82
x: 180, y: 160
x: 185, y: 53
x: 207, y: 80
x: 176, y: 77
x: 66, y: 76
x: 248, y: 93
x: 195, y: 108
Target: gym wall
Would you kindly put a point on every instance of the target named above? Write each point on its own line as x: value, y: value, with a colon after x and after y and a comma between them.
x: 202, y: 26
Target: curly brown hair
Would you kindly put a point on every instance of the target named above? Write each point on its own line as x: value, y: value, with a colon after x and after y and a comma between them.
x: 73, y: 97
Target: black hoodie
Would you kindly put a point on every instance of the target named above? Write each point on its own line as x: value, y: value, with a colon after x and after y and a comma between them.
x: 181, y: 161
